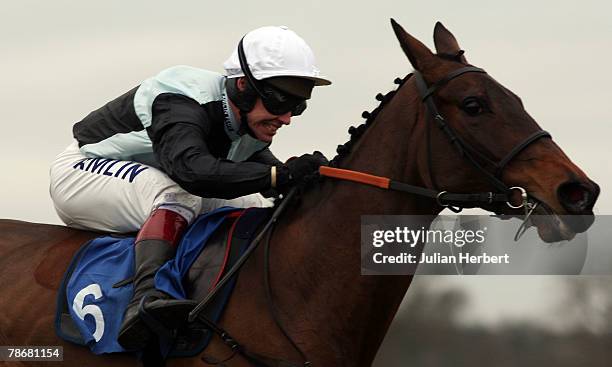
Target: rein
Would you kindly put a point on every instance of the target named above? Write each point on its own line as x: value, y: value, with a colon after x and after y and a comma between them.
x: 443, y: 198
x: 256, y: 359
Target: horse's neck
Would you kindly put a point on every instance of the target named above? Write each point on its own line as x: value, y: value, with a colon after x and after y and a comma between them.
x: 334, y: 309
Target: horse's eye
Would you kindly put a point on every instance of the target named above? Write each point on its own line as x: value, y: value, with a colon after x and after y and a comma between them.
x: 473, y: 106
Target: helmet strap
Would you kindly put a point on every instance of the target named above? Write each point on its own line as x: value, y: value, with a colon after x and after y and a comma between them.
x: 243, y: 99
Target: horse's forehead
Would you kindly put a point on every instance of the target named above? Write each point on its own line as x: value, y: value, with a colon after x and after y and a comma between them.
x: 441, y: 68
x: 480, y: 83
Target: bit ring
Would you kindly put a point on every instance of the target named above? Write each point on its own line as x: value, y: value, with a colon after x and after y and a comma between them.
x: 438, y: 197
x: 523, y: 196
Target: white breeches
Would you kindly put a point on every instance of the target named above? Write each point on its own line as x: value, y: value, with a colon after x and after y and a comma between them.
x: 118, y: 196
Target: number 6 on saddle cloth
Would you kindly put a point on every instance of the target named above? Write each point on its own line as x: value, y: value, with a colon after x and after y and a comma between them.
x: 94, y: 294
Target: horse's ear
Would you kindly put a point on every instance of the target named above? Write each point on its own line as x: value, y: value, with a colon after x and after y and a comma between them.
x: 446, y: 43
x: 418, y: 54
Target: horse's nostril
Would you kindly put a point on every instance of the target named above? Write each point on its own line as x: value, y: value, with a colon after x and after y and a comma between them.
x: 575, y: 197
x: 575, y: 194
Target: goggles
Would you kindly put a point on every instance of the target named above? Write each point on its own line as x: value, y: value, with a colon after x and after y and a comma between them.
x: 278, y: 102
x: 274, y: 100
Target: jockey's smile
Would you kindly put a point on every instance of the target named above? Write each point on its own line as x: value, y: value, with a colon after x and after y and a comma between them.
x: 264, y: 124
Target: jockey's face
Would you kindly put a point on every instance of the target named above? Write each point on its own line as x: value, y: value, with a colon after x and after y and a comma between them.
x: 263, y: 124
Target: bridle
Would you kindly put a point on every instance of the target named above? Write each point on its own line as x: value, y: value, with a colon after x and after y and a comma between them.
x: 465, y: 150
x: 455, y: 201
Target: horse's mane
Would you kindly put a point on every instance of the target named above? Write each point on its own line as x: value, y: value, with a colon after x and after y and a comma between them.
x: 356, y: 132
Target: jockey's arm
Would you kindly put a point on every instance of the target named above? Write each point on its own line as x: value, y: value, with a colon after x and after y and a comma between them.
x: 179, y: 133
x: 265, y: 156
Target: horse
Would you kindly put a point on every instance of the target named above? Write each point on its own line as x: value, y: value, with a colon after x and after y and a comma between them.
x: 334, y: 315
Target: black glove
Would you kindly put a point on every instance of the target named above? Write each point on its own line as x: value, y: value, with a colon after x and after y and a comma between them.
x: 299, y: 171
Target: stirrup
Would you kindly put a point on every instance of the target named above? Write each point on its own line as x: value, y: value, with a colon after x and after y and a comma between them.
x: 151, y: 315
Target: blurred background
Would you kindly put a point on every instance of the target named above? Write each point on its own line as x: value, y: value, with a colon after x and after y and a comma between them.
x: 62, y: 59
x: 438, y: 326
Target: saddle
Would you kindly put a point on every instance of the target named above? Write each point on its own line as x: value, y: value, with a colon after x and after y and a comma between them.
x: 96, y: 286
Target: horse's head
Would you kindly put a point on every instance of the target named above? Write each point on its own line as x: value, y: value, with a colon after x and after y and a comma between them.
x: 493, y: 125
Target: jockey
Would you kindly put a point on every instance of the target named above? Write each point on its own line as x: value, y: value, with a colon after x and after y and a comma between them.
x: 182, y: 143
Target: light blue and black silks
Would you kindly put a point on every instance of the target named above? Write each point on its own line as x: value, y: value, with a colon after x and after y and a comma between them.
x: 90, y: 309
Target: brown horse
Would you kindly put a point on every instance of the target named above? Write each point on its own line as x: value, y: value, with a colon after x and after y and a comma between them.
x: 335, y: 315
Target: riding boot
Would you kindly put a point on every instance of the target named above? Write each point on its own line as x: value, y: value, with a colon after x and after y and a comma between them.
x: 154, y: 246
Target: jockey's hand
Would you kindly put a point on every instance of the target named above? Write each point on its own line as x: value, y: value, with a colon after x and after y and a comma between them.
x: 300, y: 171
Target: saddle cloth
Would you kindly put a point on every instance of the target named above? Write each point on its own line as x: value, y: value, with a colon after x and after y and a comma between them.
x: 94, y: 292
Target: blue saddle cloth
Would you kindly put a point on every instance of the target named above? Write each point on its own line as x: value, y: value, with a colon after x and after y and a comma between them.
x: 92, y: 292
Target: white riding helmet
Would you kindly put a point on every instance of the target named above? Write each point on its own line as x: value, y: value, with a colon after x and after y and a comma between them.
x: 275, y: 52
